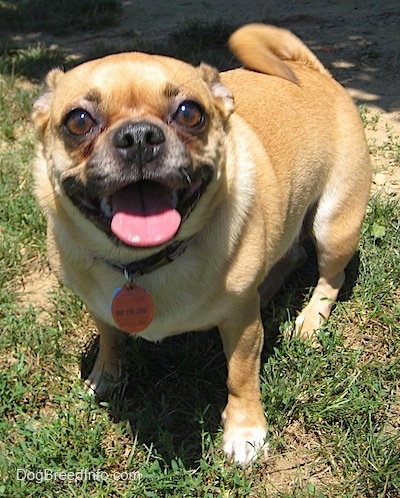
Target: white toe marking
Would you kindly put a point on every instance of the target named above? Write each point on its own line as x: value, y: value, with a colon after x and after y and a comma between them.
x: 245, y: 445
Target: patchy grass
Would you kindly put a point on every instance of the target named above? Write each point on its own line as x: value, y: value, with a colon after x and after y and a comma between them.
x: 33, y: 61
x: 333, y: 411
x: 34, y: 19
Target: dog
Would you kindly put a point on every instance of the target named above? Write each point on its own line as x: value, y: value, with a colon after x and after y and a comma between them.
x: 176, y: 198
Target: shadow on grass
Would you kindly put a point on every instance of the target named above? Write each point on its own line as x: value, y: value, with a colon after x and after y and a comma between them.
x: 27, y: 49
x: 25, y: 24
x: 58, y: 16
x: 174, y: 392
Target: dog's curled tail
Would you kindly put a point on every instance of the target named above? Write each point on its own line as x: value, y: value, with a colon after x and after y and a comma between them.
x: 264, y: 48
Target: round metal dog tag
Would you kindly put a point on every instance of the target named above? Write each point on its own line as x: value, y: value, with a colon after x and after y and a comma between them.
x: 132, y: 308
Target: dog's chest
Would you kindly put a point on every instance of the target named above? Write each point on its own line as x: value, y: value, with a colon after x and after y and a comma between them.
x: 182, y: 296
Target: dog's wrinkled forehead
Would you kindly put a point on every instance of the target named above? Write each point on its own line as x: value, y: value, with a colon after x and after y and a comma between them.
x: 131, y: 81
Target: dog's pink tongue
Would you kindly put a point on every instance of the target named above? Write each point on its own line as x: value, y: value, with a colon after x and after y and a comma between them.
x: 143, y: 215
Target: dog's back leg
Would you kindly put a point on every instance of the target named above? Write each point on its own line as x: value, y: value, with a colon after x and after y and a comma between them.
x: 336, y: 231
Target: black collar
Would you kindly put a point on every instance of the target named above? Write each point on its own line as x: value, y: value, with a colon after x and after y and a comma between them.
x: 153, y: 262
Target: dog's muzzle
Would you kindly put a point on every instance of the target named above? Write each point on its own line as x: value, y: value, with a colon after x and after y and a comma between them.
x: 141, y: 187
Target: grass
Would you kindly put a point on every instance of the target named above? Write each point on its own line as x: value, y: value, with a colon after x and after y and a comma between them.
x: 333, y: 412
x: 33, y: 61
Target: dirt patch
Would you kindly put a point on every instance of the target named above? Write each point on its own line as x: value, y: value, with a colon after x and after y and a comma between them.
x: 36, y: 291
x: 298, y: 465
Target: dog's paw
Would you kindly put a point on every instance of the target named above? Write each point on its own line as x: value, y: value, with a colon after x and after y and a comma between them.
x: 94, y: 382
x: 308, y: 323
x: 317, y: 311
x: 245, y: 445
x: 313, y: 316
x: 97, y: 384
x: 101, y: 382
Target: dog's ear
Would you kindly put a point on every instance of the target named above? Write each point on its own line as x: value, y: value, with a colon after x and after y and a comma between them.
x: 223, y: 97
x: 41, y: 108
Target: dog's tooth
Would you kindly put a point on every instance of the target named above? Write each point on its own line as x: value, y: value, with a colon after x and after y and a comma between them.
x: 106, y: 207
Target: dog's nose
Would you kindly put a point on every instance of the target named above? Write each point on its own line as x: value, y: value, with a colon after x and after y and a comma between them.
x: 139, y: 142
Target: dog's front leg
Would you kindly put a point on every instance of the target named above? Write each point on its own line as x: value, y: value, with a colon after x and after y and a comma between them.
x: 243, y: 417
x: 107, y: 368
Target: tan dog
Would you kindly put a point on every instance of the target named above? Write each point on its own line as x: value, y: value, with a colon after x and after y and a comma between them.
x: 172, y: 191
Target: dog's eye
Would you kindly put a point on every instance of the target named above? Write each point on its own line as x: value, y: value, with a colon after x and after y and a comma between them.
x: 189, y: 114
x: 79, y: 122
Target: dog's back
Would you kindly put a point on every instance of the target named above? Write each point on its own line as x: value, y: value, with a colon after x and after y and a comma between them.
x: 295, y: 106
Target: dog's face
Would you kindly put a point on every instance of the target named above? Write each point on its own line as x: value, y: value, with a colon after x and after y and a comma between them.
x: 136, y: 144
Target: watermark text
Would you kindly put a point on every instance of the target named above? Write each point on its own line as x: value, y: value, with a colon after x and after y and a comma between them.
x: 43, y: 475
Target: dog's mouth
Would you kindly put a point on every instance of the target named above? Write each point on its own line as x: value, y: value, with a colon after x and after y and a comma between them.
x: 141, y: 214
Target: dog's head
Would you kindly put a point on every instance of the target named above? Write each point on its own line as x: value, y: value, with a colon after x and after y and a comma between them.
x: 135, y: 144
